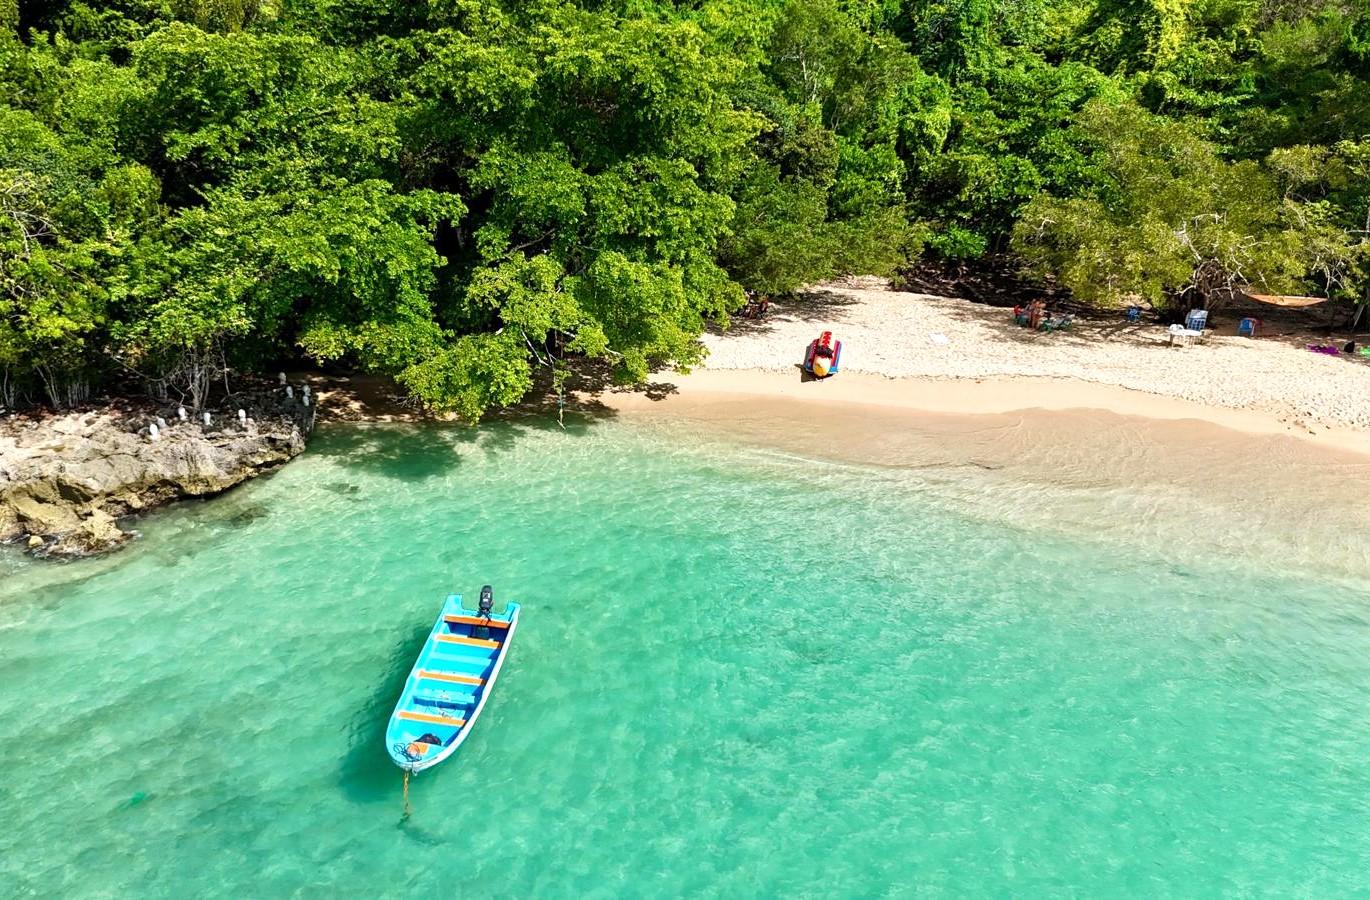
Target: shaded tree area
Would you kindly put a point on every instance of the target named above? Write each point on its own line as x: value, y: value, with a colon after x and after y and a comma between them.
x: 458, y: 192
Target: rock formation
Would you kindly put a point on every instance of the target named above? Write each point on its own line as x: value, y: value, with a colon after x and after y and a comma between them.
x: 67, y: 480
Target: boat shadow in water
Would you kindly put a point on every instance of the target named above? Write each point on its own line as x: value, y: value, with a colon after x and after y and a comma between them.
x: 367, y: 775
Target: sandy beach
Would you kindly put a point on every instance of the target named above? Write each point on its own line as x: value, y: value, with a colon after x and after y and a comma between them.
x: 1254, y: 448
x: 905, y: 351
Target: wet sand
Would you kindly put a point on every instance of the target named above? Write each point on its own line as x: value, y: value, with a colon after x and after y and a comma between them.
x: 741, y: 389
x: 1125, y: 467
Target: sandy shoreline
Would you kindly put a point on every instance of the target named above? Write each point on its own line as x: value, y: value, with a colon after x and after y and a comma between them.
x: 760, y: 389
x: 906, y: 352
x: 1271, y: 387
x: 1126, y: 468
x: 1267, y: 474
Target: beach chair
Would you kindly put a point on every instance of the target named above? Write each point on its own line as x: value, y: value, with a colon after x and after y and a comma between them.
x: 1059, y: 323
x: 1197, y: 320
x: 1248, y: 327
x: 1184, y: 336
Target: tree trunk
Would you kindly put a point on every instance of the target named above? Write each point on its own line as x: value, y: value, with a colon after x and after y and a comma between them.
x: 64, y: 390
x: 9, y: 393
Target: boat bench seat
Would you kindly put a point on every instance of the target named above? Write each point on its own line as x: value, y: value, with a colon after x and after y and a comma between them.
x: 412, y: 716
x: 467, y: 641
x: 454, y: 677
x: 475, y: 620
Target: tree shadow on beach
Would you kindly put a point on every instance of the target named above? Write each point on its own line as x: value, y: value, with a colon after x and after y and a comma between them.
x: 817, y: 304
x: 1087, y: 327
x: 591, y: 379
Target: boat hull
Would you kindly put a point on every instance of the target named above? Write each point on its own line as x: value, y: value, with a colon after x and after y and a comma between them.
x: 449, y: 685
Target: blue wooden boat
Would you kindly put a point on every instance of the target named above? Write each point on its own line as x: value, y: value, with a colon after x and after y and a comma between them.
x: 450, y: 682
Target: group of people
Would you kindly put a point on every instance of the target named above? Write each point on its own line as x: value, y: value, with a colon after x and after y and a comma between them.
x: 756, y: 308
x: 1032, y: 315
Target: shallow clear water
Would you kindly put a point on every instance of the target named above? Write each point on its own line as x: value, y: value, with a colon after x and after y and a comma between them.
x: 739, y: 672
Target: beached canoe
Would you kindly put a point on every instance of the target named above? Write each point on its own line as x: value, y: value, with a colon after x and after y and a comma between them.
x: 450, y: 682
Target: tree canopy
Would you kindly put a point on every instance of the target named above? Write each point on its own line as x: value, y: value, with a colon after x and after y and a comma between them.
x: 458, y: 192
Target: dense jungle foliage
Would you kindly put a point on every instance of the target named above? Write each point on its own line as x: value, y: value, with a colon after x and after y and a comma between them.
x: 456, y: 192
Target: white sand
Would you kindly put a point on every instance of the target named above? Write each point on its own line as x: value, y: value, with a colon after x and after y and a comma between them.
x: 892, y: 334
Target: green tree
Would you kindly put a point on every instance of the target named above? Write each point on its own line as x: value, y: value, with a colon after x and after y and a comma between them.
x: 1168, y: 221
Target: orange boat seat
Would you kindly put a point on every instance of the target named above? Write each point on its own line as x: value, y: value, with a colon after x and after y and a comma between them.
x: 429, y: 717
x: 453, y: 677
x: 468, y: 641
x: 475, y: 620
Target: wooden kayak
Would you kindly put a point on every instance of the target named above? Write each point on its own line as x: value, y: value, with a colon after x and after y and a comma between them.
x: 450, y: 682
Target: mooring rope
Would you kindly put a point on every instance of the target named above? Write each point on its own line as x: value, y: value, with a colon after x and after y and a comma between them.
x: 407, y: 811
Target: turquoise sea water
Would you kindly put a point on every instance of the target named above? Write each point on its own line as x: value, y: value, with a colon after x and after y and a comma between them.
x: 739, y: 673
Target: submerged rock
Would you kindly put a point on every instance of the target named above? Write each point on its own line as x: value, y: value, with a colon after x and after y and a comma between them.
x: 66, y: 480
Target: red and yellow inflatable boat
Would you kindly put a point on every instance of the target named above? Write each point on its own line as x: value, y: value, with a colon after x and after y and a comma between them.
x: 823, y: 356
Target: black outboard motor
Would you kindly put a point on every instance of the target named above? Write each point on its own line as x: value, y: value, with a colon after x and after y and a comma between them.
x: 487, y: 602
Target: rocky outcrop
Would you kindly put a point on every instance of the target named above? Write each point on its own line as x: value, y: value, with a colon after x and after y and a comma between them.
x: 67, y: 480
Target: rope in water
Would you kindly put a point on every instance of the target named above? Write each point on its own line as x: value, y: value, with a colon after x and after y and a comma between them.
x: 407, y: 811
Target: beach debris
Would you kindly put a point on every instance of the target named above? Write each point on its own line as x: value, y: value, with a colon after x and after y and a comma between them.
x: 242, y: 416
x: 153, y: 432
x: 209, y: 420
x: 939, y: 339
x: 289, y: 392
x: 281, y: 376
x: 181, y: 413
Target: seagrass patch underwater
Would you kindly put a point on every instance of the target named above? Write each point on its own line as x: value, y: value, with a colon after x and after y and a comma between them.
x: 739, y: 672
